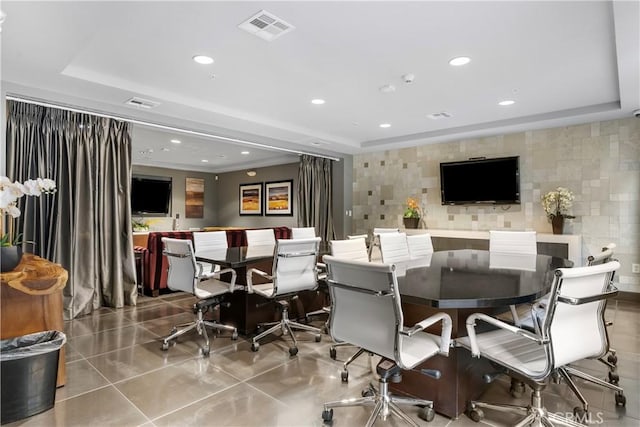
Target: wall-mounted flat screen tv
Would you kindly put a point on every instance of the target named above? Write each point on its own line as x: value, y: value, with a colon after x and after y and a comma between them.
x: 150, y: 195
x: 480, y: 181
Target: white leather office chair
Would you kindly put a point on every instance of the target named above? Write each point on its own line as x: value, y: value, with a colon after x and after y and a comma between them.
x: 420, y: 245
x: 303, y: 232
x: 513, y: 242
x: 394, y: 248
x: 185, y: 275
x: 572, y: 329
x: 294, y: 270
x: 354, y: 249
x: 205, y: 240
x: 260, y: 237
x: 374, y: 246
x: 367, y: 311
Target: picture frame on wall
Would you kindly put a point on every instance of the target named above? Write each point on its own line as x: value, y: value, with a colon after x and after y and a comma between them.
x: 250, y: 199
x: 194, y: 198
x: 279, y: 198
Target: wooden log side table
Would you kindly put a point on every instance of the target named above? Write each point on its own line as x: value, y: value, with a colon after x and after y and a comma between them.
x: 31, y: 301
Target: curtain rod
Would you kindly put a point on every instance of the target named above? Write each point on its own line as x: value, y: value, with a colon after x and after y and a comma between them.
x: 65, y: 107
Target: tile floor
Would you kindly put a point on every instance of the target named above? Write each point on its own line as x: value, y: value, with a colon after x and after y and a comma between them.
x: 118, y: 375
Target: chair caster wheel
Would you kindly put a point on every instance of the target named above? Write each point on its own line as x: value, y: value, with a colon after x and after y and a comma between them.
x: 475, y: 414
x: 333, y: 353
x: 318, y: 338
x: 580, y: 414
x: 517, y: 390
x: 613, y: 359
x: 293, y: 351
x: 427, y: 413
x: 344, y: 376
x: 234, y: 336
x: 367, y: 392
x: 165, y: 346
x: 327, y: 415
x: 205, y: 352
x: 173, y: 330
x: 614, y: 378
x: 621, y: 400
x: 255, y: 346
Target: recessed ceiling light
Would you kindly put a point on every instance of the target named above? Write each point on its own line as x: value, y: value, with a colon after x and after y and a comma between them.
x: 385, y: 125
x: 202, y: 59
x: 506, y: 102
x: 459, y: 60
x: 204, y: 161
x: 251, y: 173
x: 316, y: 143
x: 387, y: 88
x: 221, y: 156
x: 244, y: 152
x: 176, y: 141
x: 165, y: 149
x: 317, y: 101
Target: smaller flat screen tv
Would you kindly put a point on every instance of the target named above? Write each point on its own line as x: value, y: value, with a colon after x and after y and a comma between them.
x: 150, y: 195
x: 480, y: 181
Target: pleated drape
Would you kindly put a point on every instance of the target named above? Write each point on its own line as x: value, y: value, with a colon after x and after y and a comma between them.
x: 85, y: 225
x: 315, y: 196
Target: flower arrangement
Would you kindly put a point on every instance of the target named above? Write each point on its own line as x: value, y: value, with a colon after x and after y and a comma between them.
x: 413, y: 209
x: 558, y: 202
x: 10, y: 192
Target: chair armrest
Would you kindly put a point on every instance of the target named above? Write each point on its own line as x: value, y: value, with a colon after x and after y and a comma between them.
x: 445, y: 336
x: 250, y: 273
x: 591, y: 298
x: 471, y: 331
x: 234, y: 275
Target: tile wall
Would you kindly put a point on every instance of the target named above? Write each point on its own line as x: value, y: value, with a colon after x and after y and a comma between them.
x: 599, y: 162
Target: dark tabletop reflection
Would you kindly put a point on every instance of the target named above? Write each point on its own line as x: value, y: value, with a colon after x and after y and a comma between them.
x: 473, y: 278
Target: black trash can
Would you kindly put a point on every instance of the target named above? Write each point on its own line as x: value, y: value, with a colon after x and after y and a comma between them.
x: 29, y: 366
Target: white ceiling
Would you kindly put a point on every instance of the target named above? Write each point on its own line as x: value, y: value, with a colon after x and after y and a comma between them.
x: 563, y: 62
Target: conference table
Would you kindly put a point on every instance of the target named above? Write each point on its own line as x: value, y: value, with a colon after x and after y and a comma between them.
x: 462, y: 282
x: 457, y: 282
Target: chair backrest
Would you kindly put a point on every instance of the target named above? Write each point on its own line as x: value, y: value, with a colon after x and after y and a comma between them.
x: 366, y: 308
x: 518, y: 242
x: 604, y: 256
x: 353, y: 249
x: 380, y: 230
x: 260, y: 237
x: 205, y: 240
x: 578, y: 331
x: 420, y: 245
x: 294, y: 265
x: 394, y: 247
x: 182, y: 274
x: 303, y: 232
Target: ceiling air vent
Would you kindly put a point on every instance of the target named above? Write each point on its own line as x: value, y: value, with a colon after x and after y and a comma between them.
x: 141, y: 103
x: 266, y: 25
x: 438, y: 116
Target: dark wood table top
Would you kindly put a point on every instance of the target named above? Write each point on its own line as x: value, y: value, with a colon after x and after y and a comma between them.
x: 238, y: 256
x: 476, y: 278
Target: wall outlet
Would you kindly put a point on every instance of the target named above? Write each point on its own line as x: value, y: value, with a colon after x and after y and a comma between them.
x: 635, y: 268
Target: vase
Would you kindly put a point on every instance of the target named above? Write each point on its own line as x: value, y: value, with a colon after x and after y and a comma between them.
x: 411, y: 222
x: 557, y: 224
x: 10, y: 257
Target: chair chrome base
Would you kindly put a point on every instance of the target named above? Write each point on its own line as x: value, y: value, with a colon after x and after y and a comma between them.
x: 384, y: 404
x: 200, y: 326
x: 535, y: 414
x: 286, y: 326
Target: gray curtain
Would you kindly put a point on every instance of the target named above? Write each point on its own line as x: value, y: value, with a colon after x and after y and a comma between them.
x: 85, y: 225
x: 315, y: 196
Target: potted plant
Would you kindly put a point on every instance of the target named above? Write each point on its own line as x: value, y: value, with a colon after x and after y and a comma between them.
x: 10, y: 192
x: 412, y: 214
x: 556, y: 205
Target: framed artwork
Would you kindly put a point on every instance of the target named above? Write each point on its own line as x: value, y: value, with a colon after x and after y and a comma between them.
x: 194, y: 198
x: 278, y: 198
x: 251, y: 199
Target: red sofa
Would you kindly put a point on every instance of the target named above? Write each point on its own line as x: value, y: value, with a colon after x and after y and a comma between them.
x: 155, y: 265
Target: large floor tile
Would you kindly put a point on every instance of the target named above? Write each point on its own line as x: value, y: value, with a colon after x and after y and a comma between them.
x: 81, y: 378
x: 164, y: 390
x: 102, y: 342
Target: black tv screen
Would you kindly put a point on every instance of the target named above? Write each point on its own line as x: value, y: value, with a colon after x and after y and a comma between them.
x: 150, y: 195
x: 480, y: 181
